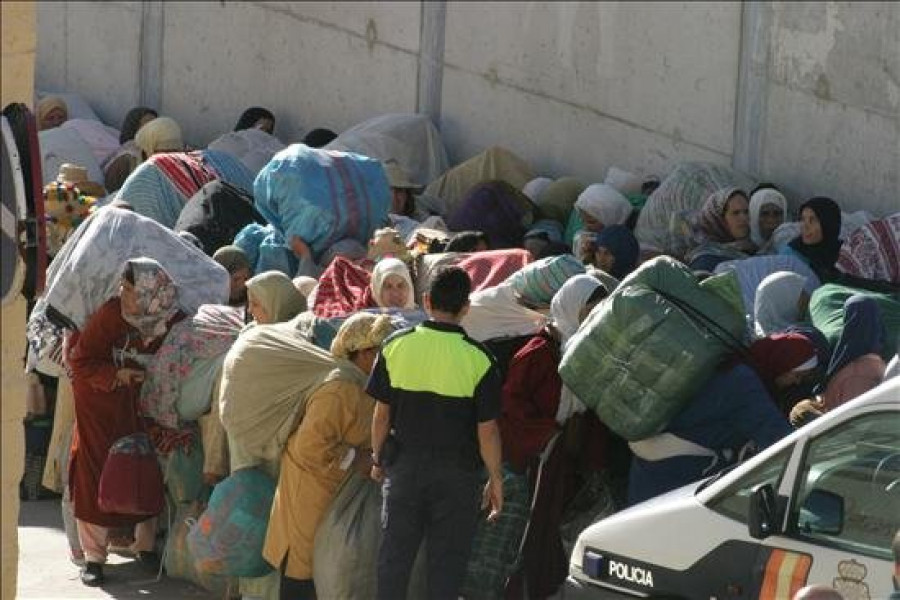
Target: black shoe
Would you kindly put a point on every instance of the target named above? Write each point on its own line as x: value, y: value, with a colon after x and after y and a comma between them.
x: 149, y: 561
x: 92, y: 574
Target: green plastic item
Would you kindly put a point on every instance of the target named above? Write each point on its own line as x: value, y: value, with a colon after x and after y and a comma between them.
x: 826, y: 309
x: 184, y: 473
x: 646, y: 350
x: 727, y: 287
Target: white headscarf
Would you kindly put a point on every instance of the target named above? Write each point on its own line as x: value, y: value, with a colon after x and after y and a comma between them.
x: 534, y: 188
x: 391, y: 266
x: 604, y: 203
x: 568, y: 302
x: 757, y: 201
x: 775, y: 308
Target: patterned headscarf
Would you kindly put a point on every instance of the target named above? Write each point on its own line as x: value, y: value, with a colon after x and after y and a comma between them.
x: 156, y: 294
x: 712, y: 215
x: 361, y: 331
x: 538, y: 282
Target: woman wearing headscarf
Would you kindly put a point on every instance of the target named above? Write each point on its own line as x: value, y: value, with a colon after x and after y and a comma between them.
x: 724, y: 228
x: 617, y: 251
x: 257, y: 117
x: 784, y: 362
x: 534, y: 188
x: 532, y: 424
x: 162, y: 134
x: 123, y: 161
x: 601, y: 205
x: 51, y: 112
x: 333, y: 437
x: 272, y: 298
x: 768, y: 208
x: 237, y: 264
x: 392, y: 285
x: 781, y: 301
x: 819, y: 241
x: 106, y: 361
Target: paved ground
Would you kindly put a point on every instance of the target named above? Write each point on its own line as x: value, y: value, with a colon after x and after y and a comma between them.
x: 45, y: 571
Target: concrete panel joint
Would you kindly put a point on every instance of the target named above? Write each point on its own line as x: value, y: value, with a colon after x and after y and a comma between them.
x: 151, y: 53
x: 431, y: 60
x: 752, y: 90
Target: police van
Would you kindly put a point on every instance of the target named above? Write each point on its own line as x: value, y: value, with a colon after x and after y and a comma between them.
x: 819, y: 507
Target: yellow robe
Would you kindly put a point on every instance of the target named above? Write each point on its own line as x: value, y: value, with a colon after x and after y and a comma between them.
x: 338, y: 417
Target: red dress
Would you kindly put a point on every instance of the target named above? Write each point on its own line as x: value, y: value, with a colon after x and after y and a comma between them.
x: 103, y: 412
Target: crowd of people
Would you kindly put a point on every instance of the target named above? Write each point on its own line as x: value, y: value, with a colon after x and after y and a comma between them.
x: 396, y: 342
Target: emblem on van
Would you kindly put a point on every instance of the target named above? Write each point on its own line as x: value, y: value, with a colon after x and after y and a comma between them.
x: 631, y: 573
x: 850, y: 583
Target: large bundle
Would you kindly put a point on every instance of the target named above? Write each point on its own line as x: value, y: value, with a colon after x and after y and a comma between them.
x: 495, y: 163
x: 410, y: 139
x: 496, y: 313
x: 161, y: 186
x: 646, y: 350
x: 65, y: 145
x: 685, y: 189
x: 347, y: 541
x: 268, y: 375
x: 179, y: 561
x: 486, y: 269
x: 826, y: 310
x: 102, y: 140
x: 873, y: 251
x: 322, y: 196
x: 252, y: 147
x: 216, y: 214
x: 86, y: 272
x: 229, y: 535
x: 321, y: 331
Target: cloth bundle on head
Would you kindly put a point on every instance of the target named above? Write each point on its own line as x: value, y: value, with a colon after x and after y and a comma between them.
x: 565, y: 308
x: 156, y: 294
x: 391, y: 266
x: 604, y: 203
x: 863, y: 333
x: 775, y: 307
x: 712, y: 215
x: 757, y: 201
x: 360, y: 332
x: 557, y: 199
x: 48, y: 105
x: 162, y: 134
x: 232, y: 258
x: 622, y: 180
x: 343, y: 289
x: 873, y: 250
x: 619, y: 240
x: 534, y: 188
x: 538, y: 282
x: 346, y: 248
x: 132, y: 122
x: 781, y: 353
x: 277, y: 294
x: 824, y: 255
x: 498, y: 209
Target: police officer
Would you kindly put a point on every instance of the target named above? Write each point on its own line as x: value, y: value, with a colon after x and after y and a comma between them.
x: 434, y: 427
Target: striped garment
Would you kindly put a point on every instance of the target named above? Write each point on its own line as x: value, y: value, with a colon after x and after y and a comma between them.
x: 539, y: 281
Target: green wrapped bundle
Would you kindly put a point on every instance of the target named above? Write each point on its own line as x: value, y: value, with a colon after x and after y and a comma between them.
x: 826, y: 309
x: 647, y: 349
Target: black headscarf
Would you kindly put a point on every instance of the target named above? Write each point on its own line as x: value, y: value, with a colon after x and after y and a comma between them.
x: 318, y: 138
x: 251, y: 116
x: 132, y: 122
x: 824, y: 255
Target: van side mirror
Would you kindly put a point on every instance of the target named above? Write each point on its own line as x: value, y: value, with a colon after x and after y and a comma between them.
x: 822, y: 512
x: 763, y: 518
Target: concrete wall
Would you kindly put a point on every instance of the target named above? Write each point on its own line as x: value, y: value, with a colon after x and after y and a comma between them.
x: 17, y: 68
x: 804, y: 94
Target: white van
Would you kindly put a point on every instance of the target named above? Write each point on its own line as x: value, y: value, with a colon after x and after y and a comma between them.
x: 820, y: 506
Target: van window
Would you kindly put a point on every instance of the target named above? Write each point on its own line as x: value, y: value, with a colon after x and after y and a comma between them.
x: 848, y: 493
x: 734, y: 501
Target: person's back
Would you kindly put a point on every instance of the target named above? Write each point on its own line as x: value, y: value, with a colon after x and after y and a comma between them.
x: 438, y: 398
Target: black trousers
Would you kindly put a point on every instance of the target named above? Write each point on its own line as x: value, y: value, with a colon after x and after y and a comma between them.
x: 437, y: 501
x: 295, y: 589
